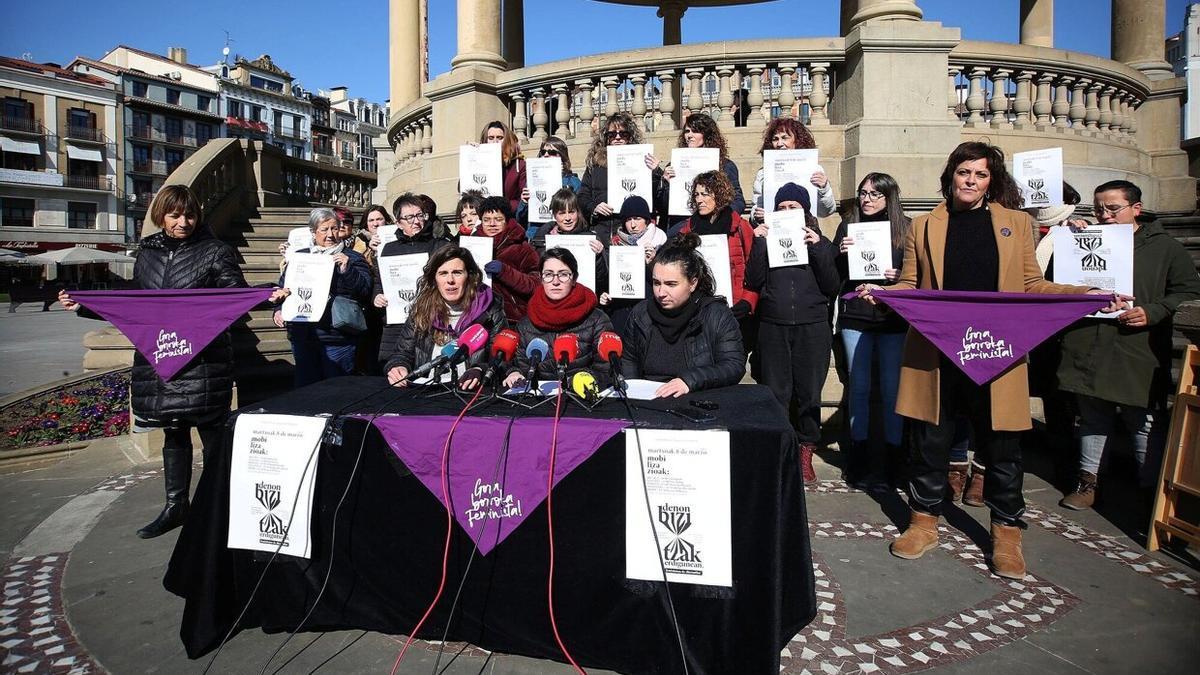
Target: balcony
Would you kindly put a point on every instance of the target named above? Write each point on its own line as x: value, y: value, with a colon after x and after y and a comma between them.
x: 26, y: 125
x: 151, y: 167
x: 284, y: 132
x: 80, y: 133
x: 103, y: 183
x: 145, y: 133
x: 43, y: 178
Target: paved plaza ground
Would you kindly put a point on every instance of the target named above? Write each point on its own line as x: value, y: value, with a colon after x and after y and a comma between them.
x: 83, y: 594
x: 40, y: 347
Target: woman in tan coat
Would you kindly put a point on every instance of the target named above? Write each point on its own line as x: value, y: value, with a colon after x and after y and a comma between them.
x: 968, y: 243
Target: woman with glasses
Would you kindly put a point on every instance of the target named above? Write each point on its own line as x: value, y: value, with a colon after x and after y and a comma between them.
x: 553, y: 146
x: 593, y: 194
x: 559, y: 306
x: 785, y: 133
x: 512, y: 163
x: 872, y: 333
x: 700, y: 131
x: 414, y: 235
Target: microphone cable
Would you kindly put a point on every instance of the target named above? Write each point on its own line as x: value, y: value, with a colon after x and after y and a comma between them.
x: 550, y: 530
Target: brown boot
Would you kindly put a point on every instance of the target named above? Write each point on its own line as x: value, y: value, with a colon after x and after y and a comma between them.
x: 974, y: 493
x: 806, y: 468
x: 957, y: 480
x: 1084, y: 495
x: 920, y: 537
x: 1007, y: 560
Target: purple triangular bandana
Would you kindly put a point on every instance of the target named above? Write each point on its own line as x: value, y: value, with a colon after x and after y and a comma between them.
x: 491, y: 491
x: 986, y: 333
x: 170, y: 327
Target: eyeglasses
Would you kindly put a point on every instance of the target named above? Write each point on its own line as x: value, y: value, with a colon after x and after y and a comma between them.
x: 413, y: 218
x: 870, y: 194
x: 613, y: 135
x: 548, y: 152
x: 561, y: 275
x: 1114, y: 210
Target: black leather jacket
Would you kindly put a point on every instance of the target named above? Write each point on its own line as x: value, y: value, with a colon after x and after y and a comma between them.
x: 403, y: 346
x: 588, y: 331
x: 712, y: 346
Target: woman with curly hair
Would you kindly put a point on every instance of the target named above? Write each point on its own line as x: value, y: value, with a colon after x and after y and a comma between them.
x: 712, y: 195
x: 700, y: 131
x: 512, y: 163
x: 553, y: 146
x: 593, y: 193
x: 785, y: 133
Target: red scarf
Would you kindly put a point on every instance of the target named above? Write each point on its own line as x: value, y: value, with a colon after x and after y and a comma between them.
x: 550, y: 315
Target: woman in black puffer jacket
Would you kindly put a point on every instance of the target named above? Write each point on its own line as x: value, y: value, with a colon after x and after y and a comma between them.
x: 685, y: 335
x: 185, y: 254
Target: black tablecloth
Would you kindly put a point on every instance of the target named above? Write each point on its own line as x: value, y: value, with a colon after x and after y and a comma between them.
x: 388, y: 550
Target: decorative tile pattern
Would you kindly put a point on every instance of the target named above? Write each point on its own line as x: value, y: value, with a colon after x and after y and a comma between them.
x: 124, y: 481
x: 35, y: 636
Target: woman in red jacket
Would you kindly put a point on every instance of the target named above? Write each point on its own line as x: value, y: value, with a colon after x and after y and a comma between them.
x: 712, y: 195
x: 513, y: 270
x: 510, y: 158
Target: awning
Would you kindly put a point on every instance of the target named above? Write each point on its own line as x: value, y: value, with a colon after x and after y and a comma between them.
x: 85, y: 154
x: 24, y: 147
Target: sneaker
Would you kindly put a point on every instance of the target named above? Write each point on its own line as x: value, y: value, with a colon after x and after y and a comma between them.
x: 1084, y: 495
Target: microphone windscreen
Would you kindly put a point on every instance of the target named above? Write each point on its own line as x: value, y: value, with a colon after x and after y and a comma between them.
x: 449, y: 349
x: 474, y: 337
x: 584, y: 385
x: 566, y: 344
x: 610, y: 345
x: 506, y: 343
x: 536, y: 349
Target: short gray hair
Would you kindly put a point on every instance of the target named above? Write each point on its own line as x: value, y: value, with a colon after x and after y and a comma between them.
x: 320, y: 215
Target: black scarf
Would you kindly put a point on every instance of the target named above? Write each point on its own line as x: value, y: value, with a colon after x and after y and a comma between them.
x: 722, y: 224
x: 672, y: 323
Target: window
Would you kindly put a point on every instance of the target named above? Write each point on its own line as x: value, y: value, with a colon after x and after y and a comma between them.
x: 16, y: 212
x: 173, y: 127
x: 21, y: 161
x: 174, y: 158
x: 144, y: 190
x: 204, y: 133
x: 81, y: 215
x: 139, y: 89
x: 256, y: 113
x: 297, y: 152
x: 278, y: 123
x: 81, y: 119
x: 173, y: 96
x: 18, y: 109
x: 263, y: 83
x: 141, y: 125
x: 203, y: 103
x: 236, y: 109
x: 141, y: 158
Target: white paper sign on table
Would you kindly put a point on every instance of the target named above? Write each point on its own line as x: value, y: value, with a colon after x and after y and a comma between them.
x: 481, y: 248
x: 1040, y: 175
x: 626, y: 272
x: 543, y: 176
x: 628, y: 174
x: 480, y: 169
x: 689, y: 163
x: 387, y: 234
x: 580, y: 246
x: 715, y: 249
x: 307, y: 276
x: 686, y: 477
x: 298, y: 238
x: 871, y: 252
x: 635, y: 389
x: 272, y: 467
x: 785, y: 239
x: 1099, y: 256
x: 400, y: 274
x: 781, y: 167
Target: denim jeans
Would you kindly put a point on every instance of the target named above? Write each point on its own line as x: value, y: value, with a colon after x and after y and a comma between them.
x: 860, y: 348
x: 1146, y: 428
x: 316, y: 361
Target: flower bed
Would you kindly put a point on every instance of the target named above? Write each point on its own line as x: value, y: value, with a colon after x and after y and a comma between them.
x: 86, y: 410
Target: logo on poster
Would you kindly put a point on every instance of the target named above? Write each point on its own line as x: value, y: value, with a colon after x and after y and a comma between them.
x: 1092, y: 261
x: 1037, y: 193
x: 682, y: 555
x: 268, y: 495
x: 543, y: 205
x: 626, y: 282
x: 789, y: 253
x: 481, y: 183
x: 870, y: 267
x: 629, y: 185
x: 305, y: 295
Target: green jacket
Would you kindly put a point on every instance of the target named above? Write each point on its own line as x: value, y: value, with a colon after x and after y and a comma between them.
x: 1132, y: 366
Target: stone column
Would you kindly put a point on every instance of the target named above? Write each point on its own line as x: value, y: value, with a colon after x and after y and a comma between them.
x: 404, y: 52
x: 849, y: 9
x: 671, y: 12
x: 478, y: 39
x: 514, y: 33
x: 1037, y: 23
x: 1138, y: 34
x: 885, y: 10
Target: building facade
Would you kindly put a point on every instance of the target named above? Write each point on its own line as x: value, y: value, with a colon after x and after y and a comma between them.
x: 61, y: 171
x: 262, y: 103
x: 358, y: 122
x: 1183, y: 53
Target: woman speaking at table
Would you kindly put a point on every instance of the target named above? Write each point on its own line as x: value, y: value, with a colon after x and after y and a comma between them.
x: 684, y: 336
x: 968, y: 243
x: 451, y: 296
x: 561, y: 305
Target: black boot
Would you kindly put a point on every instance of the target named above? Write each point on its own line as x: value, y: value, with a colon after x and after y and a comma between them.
x: 177, y: 474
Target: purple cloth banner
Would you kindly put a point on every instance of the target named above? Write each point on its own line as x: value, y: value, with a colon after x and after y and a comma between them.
x: 170, y: 327
x: 986, y: 333
x: 492, y: 494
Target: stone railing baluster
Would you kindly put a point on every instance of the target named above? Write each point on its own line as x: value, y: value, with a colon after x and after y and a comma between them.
x: 787, y: 97
x: 999, y: 103
x: 637, y: 103
x: 1062, y: 103
x: 520, y: 116
x: 666, y: 104
x: 1078, y: 110
x: 975, y: 98
x: 818, y: 99
x: 1023, y: 103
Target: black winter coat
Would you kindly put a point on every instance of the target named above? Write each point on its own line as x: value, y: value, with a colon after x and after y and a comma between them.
x: 403, y: 346
x: 796, y: 295
x: 423, y: 242
x: 588, y: 331
x: 712, y: 346
x: 203, y: 390
x: 594, y: 190
x: 858, y: 314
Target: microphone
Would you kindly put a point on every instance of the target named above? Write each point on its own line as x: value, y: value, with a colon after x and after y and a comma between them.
x: 447, y: 351
x: 583, y: 383
x: 566, y: 349
x: 535, y: 351
x: 504, y: 347
x: 610, y: 348
x: 469, y: 342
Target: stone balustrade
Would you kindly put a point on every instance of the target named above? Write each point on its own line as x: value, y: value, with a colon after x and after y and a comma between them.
x: 410, y: 132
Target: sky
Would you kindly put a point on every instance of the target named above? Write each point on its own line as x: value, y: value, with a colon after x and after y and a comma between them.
x: 323, y: 51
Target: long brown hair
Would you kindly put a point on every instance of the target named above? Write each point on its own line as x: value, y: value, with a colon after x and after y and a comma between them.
x: 510, y: 149
x: 429, y: 305
x: 707, y: 127
x: 598, y: 153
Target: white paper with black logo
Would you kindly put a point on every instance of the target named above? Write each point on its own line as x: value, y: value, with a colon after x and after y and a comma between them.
x: 543, y: 177
x: 1099, y: 256
x: 1040, y: 175
x: 628, y: 174
x: 400, y: 274
x: 269, y: 472
x: 581, y: 247
x: 686, y: 477
x: 307, y: 276
x: 298, y: 238
x: 481, y: 248
x: 480, y: 169
x: 626, y: 272
x: 871, y: 252
x: 781, y: 167
x: 785, y: 239
x: 715, y: 249
x: 387, y: 234
x: 689, y: 163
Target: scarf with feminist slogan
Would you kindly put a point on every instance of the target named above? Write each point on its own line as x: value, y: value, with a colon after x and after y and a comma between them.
x: 170, y: 327
x: 497, y: 475
x: 986, y: 333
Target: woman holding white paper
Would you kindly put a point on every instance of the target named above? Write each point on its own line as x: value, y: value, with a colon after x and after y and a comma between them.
x: 637, y: 230
x: 512, y: 164
x: 564, y: 207
x: 593, y: 193
x: 872, y: 331
x: 414, y: 234
x: 712, y: 196
x: 793, y: 329
x: 701, y: 131
x: 551, y: 148
x: 451, y: 296
x: 512, y: 271
x: 785, y: 133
